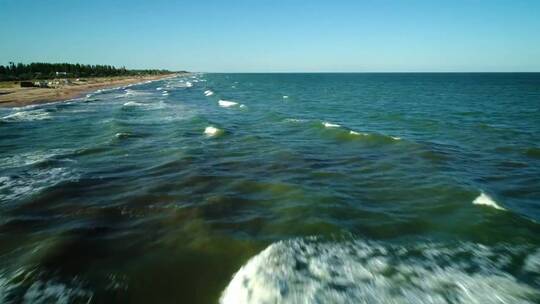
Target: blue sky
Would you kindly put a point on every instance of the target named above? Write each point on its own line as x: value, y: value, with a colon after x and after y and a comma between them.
x: 276, y: 36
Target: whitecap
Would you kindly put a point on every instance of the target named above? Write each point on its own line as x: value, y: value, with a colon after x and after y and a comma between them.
x: 122, y: 135
x: 312, y: 271
x: 212, y: 131
x: 226, y: 103
x: 159, y: 88
x: 330, y: 125
x: 208, y: 93
x: 131, y: 92
x: 395, y: 138
x: 132, y: 104
x: 358, y: 133
x: 285, y: 96
x: 188, y: 84
x: 38, y: 114
x: 486, y: 200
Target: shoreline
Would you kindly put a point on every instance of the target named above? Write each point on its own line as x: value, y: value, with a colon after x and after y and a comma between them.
x: 18, y: 96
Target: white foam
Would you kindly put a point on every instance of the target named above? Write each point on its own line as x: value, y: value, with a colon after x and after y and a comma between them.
x: 27, y: 287
x: 226, y: 103
x: 212, y: 131
x: 33, y: 182
x: 395, y: 138
x: 159, y: 88
x: 486, y: 200
x: 242, y: 106
x: 330, y: 125
x: 132, y: 104
x: 31, y: 158
x: 532, y: 262
x: 295, y: 120
x: 131, y: 92
x: 208, y: 93
x: 122, y: 135
x: 285, y: 96
x: 358, y: 133
x: 32, y: 115
x: 188, y: 84
x: 309, y: 271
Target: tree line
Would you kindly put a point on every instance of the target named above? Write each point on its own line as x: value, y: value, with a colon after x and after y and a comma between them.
x: 39, y: 70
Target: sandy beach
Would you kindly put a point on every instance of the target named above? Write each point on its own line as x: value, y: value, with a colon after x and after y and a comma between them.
x: 12, y: 95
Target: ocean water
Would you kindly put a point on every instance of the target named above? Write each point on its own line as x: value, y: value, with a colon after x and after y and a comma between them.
x: 276, y: 188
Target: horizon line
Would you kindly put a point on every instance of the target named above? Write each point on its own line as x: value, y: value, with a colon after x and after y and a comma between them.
x: 374, y: 72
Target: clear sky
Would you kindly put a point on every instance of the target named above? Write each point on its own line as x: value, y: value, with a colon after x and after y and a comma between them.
x: 276, y: 35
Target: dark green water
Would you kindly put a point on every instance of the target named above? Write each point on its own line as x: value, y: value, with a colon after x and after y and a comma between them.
x: 312, y: 188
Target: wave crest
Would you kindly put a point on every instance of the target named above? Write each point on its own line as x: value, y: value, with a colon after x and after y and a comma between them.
x: 309, y: 271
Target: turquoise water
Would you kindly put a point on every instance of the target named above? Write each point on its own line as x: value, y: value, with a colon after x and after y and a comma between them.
x: 294, y: 188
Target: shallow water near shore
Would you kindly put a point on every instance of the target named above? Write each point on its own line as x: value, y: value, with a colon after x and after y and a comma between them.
x: 276, y: 188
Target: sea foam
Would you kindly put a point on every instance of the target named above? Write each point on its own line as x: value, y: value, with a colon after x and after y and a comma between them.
x: 132, y: 104
x: 211, y: 131
x: 227, y: 104
x: 358, y: 133
x: 330, y: 125
x: 30, y: 287
x: 309, y: 271
x: 32, y: 115
x: 32, y: 182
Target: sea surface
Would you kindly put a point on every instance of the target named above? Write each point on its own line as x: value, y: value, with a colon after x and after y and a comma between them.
x: 276, y: 188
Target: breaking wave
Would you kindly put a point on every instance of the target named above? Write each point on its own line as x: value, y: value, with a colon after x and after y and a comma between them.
x: 32, y: 115
x: 133, y: 104
x: 485, y: 200
x: 313, y: 271
x: 212, y: 131
x: 31, y: 158
x: 227, y: 104
x: 330, y: 125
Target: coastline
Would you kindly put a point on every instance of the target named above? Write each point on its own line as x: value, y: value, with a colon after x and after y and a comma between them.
x: 17, y: 96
